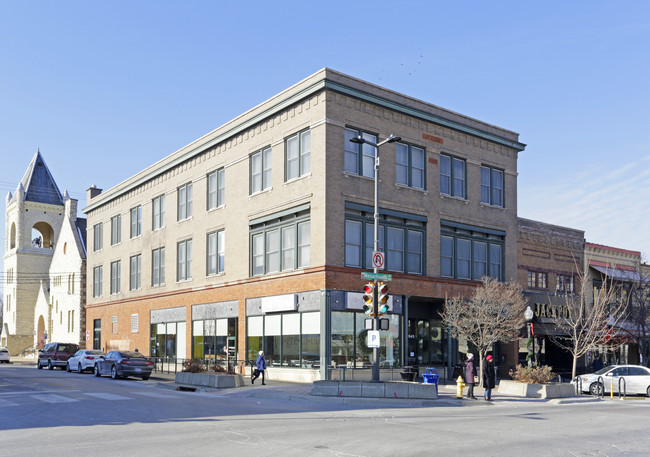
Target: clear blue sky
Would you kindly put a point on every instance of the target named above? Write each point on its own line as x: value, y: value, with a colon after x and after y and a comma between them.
x: 107, y: 88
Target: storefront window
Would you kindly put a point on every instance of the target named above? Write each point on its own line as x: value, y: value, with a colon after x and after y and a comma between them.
x: 197, y: 339
x: 272, y: 339
x: 210, y: 338
x: 168, y: 340
x: 291, y: 340
x: 255, y: 333
x: 343, y: 338
x: 310, y: 340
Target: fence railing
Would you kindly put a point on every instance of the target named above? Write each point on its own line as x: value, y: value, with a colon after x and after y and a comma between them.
x: 176, y: 364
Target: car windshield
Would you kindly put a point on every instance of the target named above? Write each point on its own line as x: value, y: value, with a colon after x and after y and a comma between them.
x: 604, y: 369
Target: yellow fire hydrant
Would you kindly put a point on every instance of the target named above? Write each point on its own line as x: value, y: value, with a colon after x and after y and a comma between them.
x: 459, y: 387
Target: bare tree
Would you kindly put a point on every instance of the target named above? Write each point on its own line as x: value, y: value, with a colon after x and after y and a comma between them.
x: 494, y: 313
x: 583, y: 326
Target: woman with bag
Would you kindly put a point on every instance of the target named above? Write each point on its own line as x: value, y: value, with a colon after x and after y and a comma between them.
x: 470, y: 373
x: 261, y: 366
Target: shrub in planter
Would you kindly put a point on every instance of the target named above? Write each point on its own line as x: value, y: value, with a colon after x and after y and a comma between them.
x: 193, y: 365
x: 532, y: 375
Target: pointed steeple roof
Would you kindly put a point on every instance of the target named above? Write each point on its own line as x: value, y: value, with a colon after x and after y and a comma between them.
x: 39, y: 184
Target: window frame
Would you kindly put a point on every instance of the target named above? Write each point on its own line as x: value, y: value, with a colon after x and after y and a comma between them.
x: 265, y: 172
x: 218, y: 254
x: 135, y: 272
x: 158, y: 212
x: 116, y: 229
x: 184, y: 202
x: 98, y: 281
x: 452, y: 176
x: 537, y: 280
x: 184, y: 266
x: 409, y: 166
x: 475, y: 236
x: 491, y: 187
x: 303, y: 156
x: 262, y: 255
x: 116, y: 277
x: 215, y: 188
x: 98, y: 237
x: 359, y: 152
x: 158, y: 279
x: 136, y: 221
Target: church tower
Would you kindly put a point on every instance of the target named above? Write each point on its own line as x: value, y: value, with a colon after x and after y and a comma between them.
x: 34, y: 215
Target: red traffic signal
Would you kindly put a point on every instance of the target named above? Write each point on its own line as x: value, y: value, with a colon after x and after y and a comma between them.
x: 369, y: 298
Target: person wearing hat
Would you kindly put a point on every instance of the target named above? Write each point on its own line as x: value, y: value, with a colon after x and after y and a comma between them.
x: 489, y: 379
x: 261, y: 366
x: 470, y: 373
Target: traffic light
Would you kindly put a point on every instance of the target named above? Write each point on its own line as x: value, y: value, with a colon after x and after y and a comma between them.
x: 382, y: 305
x: 368, y: 298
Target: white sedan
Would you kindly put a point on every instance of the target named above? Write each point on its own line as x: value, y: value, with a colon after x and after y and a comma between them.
x: 636, y: 380
x: 84, y: 359
x: 4, y: 355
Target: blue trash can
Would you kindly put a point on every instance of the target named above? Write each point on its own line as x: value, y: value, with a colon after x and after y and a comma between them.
x: 431, y: 377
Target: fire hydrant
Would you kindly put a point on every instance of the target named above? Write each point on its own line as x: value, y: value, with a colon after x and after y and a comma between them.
x: 459, y: 387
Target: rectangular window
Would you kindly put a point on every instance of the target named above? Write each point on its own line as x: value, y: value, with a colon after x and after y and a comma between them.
x: 470, y: 252
x: 216, y: 252
x: 136, y: 221
x: 97, y: 281
x: 298, y: 155
x: 401, y: 239
x: 98, y: 236
x: 158, y: 267
x: 452, y: 176
x: 409, y: 165
x: 115, y: 277
x: 537, y: 279
x: 359, y: 158
x: 135, y: 323
x: 260, y: 164
x: 216, y: 189
x: 492, y: 186
x: 158, y: 212
x: 281, y: 244
x: 184, y: 201
x: 184, y: 261
x: 135, y: 272
x: 116, y: 229
x: 565, y: 284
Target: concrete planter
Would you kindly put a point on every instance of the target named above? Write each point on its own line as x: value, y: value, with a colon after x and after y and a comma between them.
x: 213, y: 380
x: 367, y: 389
x: 521, y: 389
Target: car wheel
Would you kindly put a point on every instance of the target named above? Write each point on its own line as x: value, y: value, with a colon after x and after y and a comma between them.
x: 596, y: 389
x: 146, y: 378
x: 648, y: 391
x: 67, y: 367
x: 38, y: 365
x: 96, y: 371
x: 79, y: 369
x: 49, y: 365
x: 114, y: 372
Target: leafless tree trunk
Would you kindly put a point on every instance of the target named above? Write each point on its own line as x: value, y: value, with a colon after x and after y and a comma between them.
x: 584, y: 326
x: 494, y: 313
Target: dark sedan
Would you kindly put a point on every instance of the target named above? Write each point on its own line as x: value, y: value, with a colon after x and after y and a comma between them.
x: 119, y: 364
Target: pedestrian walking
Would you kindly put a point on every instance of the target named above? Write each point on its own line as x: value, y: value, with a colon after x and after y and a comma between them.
x: 261, y: 366
x: 489, y: 377
x: 470, y: 373
x: 597, y: 364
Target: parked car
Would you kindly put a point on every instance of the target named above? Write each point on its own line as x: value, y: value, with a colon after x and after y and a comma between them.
x: 119, y: 364
x: 637, y: 380
x: 84, y: 359
x: 56, y: 355
x: 4, y: 355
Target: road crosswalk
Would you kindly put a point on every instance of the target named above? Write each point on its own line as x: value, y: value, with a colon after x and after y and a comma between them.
x: 9, y: 399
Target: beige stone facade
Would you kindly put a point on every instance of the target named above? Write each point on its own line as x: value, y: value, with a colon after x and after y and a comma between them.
x: 447, y: 189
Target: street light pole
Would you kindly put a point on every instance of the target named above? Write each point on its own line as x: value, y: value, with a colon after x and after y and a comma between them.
x: 528, y: 315
x: 375, y: 246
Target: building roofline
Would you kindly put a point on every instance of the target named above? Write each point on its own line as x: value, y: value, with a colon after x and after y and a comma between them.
x: 611, y: 248
x: 324, y: 79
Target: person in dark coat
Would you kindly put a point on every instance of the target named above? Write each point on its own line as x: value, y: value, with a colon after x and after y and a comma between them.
x: 597, y: 364
x: 261, y: 366
x: 489, y: 377
x: 470, y: 372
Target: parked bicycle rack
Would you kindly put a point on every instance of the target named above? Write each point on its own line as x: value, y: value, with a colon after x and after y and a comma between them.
x: 578, y: 381
x: 601, y: 385
x: 624, y: 387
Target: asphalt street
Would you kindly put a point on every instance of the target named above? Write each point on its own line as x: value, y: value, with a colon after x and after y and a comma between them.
x: 55, y: 413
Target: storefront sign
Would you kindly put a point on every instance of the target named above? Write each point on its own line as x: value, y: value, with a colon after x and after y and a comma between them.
x: 550, y: 311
